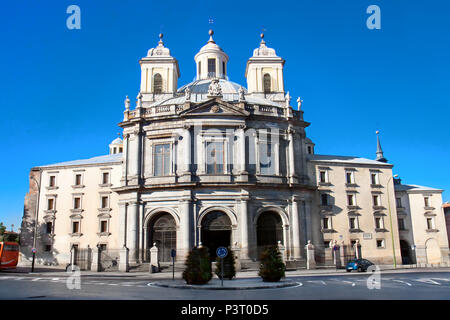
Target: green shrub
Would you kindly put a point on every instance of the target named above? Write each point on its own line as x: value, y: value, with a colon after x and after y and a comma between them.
x: 198, y: 267
x: 272, y: 267
x: 229, y: 270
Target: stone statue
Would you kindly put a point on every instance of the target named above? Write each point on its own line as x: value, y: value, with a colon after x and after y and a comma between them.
x: 187, y: 94
x: 241, y: 94
x: 127, y: 104
x: 299, y: 103
x: 139, y: 100
x: 288, y: 99
x: 215, y: 90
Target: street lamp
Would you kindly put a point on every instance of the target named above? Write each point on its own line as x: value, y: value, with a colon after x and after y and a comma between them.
x: 390, y: 218
x: 36, y: 216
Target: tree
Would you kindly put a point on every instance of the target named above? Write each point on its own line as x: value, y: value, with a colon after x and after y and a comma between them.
x: 229, y: 270
x: 7, y: 236
x: 198, y: 267
x: 272, y: 267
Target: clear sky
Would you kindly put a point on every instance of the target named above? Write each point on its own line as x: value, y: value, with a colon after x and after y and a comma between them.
x: 62, y: 91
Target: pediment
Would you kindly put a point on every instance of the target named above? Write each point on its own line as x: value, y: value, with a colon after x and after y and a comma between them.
x: 215, y: 107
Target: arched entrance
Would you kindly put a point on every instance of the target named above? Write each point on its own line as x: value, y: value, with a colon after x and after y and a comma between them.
x: 216, y: 231
x: 162, y: 230
x: 269, y: 230
x: 405, y: 250
x: 433, y: 251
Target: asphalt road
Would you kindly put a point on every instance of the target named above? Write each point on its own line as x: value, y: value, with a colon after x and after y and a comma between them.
x: 404, y: 285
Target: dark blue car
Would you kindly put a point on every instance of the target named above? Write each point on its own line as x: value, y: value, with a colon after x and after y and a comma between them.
x: 358, y: 264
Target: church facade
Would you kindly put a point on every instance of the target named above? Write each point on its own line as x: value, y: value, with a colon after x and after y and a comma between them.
x: 213, y: 163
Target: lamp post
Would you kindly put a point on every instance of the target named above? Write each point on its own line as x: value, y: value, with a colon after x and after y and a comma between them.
x: 390, y: 219
x: 36, y: 216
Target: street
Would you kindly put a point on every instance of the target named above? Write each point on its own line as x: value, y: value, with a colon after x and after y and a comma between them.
x: 398, y: 285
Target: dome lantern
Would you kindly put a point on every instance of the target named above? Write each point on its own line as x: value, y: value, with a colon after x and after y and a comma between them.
x: 211, y: 61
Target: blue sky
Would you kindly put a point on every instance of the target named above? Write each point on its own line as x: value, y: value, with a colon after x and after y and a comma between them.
x: 62, y: 91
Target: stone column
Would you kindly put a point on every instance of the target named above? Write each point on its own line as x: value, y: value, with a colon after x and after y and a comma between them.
x: 187, y: 154
x: 282, y: 251
x: 342, y: 253
x: 185, y: 228
x: 123, y: 260
x: 336, y: 255
x: 154, y: 259
x: 310, y: 258
x: 242, y: 164
x: 122, y: 224
x: 124, y: 179
x: 357, y: 247
x: 133, y: 231
x: 244, y: 229
x: 96, y: 265
x: 291, y: 156
x: 295, y: 230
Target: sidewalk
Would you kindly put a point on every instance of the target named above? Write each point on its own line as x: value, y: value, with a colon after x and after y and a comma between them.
x: 58, y: 271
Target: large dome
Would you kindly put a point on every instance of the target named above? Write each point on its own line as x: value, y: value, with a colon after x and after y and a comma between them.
x: 201, y: 86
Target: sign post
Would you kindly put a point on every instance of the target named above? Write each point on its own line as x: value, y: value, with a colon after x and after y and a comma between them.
x: 173, y: 253
x: 221, y: 252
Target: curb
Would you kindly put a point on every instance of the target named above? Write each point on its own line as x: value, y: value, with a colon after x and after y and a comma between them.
x: 200, y: 287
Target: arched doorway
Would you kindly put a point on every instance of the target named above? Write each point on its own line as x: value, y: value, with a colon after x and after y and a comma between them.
x: 216, y: 231
x: 406, y: 252
x: 162, y: 230
x: 269, y: 230
x: 433, y: 251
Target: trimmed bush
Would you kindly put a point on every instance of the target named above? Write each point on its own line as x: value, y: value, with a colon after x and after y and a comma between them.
x: 229, y: 270
x: 198, y: 267
x: 272, y: 267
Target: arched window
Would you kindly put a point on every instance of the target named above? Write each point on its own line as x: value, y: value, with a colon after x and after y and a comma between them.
x: 267, y: 83
x: 157, y: 83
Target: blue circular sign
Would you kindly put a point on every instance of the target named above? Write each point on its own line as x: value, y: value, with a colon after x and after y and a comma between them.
x: 222, y: 252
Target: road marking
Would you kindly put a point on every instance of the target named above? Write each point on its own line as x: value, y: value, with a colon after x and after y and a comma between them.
x: 55, y: 279
x: 441, y: 279
x: 112, y: 284
x: 36, y: 279
x: 318, y: 281
x: 407, y: 283
x: 425, y: 280
x: 349, y: 282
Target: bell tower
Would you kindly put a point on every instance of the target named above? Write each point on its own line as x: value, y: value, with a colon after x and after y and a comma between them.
x: 264, y: 73
x: 159, y: 73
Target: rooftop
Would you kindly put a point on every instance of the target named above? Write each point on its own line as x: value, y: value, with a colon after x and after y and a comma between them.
x: 346, y: 159
x: 414, y: 187
x: 110, y: 158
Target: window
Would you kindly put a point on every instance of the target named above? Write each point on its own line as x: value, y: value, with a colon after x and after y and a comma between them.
x: 324, y: 199
x: 376, y: 200
x: 199, y: 69
x: 52, y: 181
x: 77, y: 203
x: 378, y: 223
x: 350, y: 199
x: 326, y: 223
x: 50, y: 204
x: 102, y: 247
x: 326, y: 244
x: 48, y: 227
x: 78, y: 179
x: 103, y: 226
x: 349, y: 177
x: 120, y: 149
x: 430, y: 224
x: 380, y: 243
x: 105, y: 177
x: 267, y: 83
x: 48, y: 248
x: 323, y: 176
x: 353, y: 223
x: 162, y: 159
x: 309, y: 150
x: 212, y: 67
x: 157, y: 83
x: 105, y: 202
x: 398, y: 202
x: 374, y: 178
x: 426, y: 201
x: 223, y: 68
x: 401, y: 224
x: 75, y: 227
x: 214, y: 158
x: 266, y: 161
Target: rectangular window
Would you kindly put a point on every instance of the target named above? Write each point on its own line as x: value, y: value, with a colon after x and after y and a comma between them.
x: 77, y: 203
x: 323, y: 176
x: 48, y: 248
x: 349, y: 177
x: 214, y: 158
x: 374, y: 178
x: 199, y: 69
x: 426, y: 201
x: 105, y: 202
x: 380, y: 243
x: 430, y: 224
x: 326, y: 244
x: 266, y: 158
x: 401, y: 224
x: 78, y: 179
x: 353, y: 223
x: 75, y: 227
x: 162, y: 159
x: 105, y: 177
x: 212, y: 67
x: 324, y: 199
x: 326, y: 223
x: 376, y: 200
x: 398, y: 202
x: 223, y: 68
x: 48, y: 227
x: 50, y: 204
x: 378, y: 223
x: 103, y: 247
x: 104, y: 226
x: 351, y: 199
x: 52, y: 181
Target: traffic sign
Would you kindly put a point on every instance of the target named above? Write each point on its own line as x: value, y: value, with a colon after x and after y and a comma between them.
x: 33, y: 250
x: 173, y: 253
x: 222, y: 252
